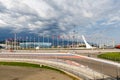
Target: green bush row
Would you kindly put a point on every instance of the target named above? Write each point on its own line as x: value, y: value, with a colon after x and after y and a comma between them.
x: 114, y: 56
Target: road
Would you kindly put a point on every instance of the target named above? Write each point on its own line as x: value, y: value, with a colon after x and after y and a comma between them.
x: 102, y: 67
x: 105, y: 68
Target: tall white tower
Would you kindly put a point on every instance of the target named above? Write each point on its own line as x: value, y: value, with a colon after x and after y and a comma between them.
x: 88, y: 46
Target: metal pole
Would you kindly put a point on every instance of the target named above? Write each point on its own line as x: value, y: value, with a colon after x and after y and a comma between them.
x: 14, y: 41
x: 43, y: 41
x: 30, y: 42
x: 53, y: 40
x: 17, y: 43
x: 6, y: 44
x: 63, y: 42
x: 72, y: 42
x: 26, y: 42
x: 57, y: 42
x: 34, y: 42
x: 38, y: 42
x: 48, y: 40
x: 68, y: 41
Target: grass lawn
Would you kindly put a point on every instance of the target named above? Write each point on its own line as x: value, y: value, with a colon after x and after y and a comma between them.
x: 24, y: 64
x: 114, y: 56
x: 20, y: 64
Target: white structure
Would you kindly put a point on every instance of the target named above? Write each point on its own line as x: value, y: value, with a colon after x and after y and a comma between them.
x: 88, y: 46
x: 37, y: 48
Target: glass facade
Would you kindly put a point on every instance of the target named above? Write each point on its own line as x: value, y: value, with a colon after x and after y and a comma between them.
x: 35, y: 44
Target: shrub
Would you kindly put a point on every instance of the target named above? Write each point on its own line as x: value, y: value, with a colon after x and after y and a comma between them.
x: 114, y: 56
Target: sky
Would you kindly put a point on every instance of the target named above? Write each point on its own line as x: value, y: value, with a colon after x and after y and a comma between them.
x: 98, y: 19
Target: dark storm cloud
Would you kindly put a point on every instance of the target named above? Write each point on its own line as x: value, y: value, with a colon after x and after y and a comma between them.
x: 54, y: 17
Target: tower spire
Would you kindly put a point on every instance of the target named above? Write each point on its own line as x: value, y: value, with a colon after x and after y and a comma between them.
x: 88, y: 46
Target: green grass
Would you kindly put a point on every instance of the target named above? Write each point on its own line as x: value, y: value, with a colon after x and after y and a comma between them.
x: 20, y: 64
x: 24, y: 64
x: 114, y: 56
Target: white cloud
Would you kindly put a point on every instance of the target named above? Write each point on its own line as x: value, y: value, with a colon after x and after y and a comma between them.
x: 2, y: 23
x: 55, y: 16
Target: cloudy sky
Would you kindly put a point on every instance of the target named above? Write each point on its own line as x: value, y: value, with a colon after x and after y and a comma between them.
x: 92, y: 18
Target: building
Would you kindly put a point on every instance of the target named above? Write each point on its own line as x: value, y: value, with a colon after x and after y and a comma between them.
x: 35, y: 44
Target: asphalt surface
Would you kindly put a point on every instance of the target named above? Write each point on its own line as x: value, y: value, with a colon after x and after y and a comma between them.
x: 107, y: 69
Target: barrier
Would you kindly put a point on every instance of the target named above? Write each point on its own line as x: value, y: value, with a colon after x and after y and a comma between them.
x: 78, y: 72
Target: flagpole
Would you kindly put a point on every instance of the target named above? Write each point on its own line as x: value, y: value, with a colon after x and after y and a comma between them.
x: 26, y: 41
x: 43, y: 41
x: 17, y: 43
x: 29, y: 42
x: 34, y: 42
x: 68, y: 42
x: 63, y: 41
x: 23, y: 43
x: 53, y: 40
x: 48, y: 40
x: 58, y: 40
x: 72, y: 41
x: 20, y: 42
x: 38, y: 42
x: 14, y: 41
